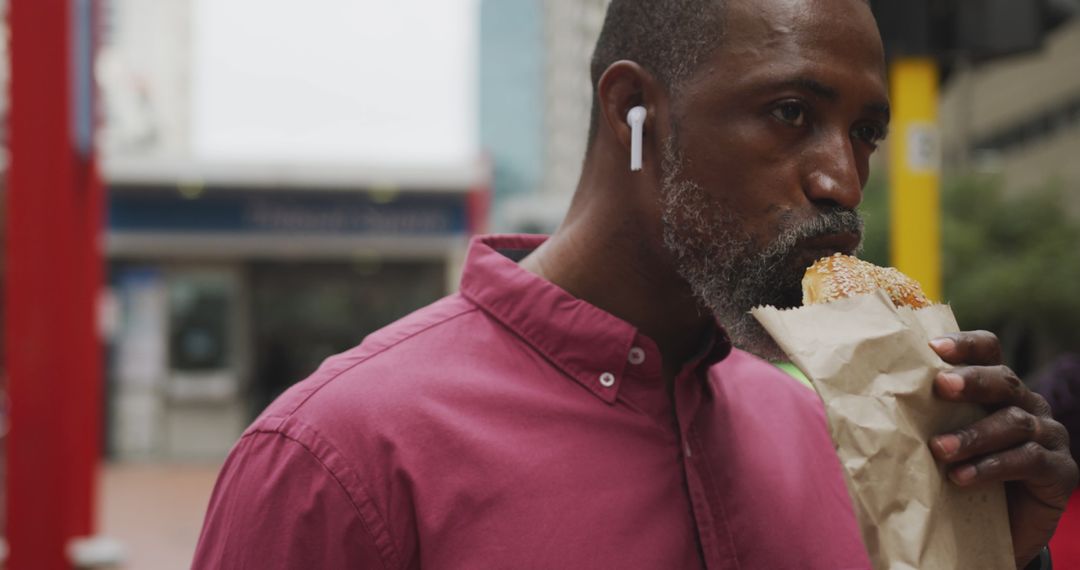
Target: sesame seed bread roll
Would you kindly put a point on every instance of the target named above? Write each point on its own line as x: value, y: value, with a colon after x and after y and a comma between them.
x: 843, y: 276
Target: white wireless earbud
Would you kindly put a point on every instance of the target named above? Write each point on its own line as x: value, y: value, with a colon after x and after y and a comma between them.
x: 636, y: 119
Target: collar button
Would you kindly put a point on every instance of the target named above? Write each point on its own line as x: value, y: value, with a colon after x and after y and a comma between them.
x: 607, y: 379
x: 637, y: 356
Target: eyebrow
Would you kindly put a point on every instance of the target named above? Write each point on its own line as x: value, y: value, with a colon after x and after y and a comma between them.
x: 826, y: 92
x: 815, y: 87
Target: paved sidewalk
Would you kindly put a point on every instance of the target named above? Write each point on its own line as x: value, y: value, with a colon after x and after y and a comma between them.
x: 155, y: 511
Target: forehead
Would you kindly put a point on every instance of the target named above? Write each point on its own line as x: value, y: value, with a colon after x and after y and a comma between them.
x: 831, y: 41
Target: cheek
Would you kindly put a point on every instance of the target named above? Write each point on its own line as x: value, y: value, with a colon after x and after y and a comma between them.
x: 743, y: 169
x: 749, y: 177
x: 759, y: 221
x: 758, y: 196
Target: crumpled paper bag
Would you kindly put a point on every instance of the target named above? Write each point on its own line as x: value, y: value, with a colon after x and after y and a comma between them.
x: 872, y: 365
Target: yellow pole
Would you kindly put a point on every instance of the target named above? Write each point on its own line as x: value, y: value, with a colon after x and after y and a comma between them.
x: 915, y: 172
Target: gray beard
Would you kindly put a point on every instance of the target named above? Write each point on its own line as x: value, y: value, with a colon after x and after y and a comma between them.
x: 726, y: 271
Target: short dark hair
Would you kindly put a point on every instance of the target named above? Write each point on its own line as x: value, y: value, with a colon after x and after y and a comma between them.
x: 669, y: 38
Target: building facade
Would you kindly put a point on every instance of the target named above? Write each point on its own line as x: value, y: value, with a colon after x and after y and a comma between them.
x: 567, y: 32
x: 1019, y: 117
x: 512, y: 113
x: 229, y: 280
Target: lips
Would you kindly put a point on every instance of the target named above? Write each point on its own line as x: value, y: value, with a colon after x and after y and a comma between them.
x: 813, y: 249
x: 842, y: 242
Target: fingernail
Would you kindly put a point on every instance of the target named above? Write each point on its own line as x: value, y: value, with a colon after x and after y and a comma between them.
x: 964, y: 475
x: 953, y: 382
x: 948, y: 445
x: 943, y: 345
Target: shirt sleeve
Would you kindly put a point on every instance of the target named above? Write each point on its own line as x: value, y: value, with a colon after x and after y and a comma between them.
x: 276, y: 505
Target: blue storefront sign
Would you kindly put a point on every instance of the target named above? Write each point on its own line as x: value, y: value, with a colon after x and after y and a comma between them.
x: 167, y: 210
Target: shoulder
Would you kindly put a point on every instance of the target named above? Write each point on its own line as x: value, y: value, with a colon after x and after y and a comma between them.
x: 384, y: 362
x: 277, y: 491
x: 334, y: 442
x: 348, y: 410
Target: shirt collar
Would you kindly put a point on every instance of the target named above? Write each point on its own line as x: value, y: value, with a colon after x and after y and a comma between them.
x: 588, y: 344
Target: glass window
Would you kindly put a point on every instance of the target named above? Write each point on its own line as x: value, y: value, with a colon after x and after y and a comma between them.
x: 199, y: 311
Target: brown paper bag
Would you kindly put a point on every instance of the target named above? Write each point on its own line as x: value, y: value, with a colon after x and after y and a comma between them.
x: 872, y: 365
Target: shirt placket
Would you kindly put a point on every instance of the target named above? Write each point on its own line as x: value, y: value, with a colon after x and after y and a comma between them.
x: 712, y: 524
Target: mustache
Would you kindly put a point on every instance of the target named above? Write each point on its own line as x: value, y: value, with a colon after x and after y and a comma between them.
x: 831, y: 220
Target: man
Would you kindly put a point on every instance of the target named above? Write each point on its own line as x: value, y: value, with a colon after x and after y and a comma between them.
x: 576, y: 404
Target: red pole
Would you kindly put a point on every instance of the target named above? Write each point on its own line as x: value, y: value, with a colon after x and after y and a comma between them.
x: 54, y: 274
x: 478, y: 201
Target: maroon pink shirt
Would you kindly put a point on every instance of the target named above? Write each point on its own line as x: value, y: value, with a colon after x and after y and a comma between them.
x: 512, y: 425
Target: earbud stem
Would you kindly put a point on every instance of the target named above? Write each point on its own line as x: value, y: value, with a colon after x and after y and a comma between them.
x: 636, y: 119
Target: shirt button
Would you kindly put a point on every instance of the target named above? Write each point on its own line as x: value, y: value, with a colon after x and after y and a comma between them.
x: 607, y: 379
x: 637, y: 355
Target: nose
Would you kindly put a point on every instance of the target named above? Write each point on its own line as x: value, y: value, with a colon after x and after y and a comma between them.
x: 832, y: 175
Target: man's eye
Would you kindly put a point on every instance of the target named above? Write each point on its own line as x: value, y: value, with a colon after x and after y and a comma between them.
x: 790, y: 112
x: 871, y: 134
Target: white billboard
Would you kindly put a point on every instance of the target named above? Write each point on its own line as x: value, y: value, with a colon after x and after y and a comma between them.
x: 359, y: 81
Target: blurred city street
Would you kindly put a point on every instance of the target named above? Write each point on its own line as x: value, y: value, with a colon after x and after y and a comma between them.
x: 155, y: 511
x: 203, y: 200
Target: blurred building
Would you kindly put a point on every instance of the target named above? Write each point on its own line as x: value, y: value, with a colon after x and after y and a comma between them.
x: 1019, y: 117
x: 512, y: 103
x: 572, y: 28
x: 228, y: 285
x: 144, y: 71
x: 229, y: 280
x: 567, y: 32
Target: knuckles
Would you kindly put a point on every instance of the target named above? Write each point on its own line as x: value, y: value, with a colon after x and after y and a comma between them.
x: 1022, y: 421
x: 1034, y: 457
x: 996, y: 383
x: 1055, y: 434
x: 990, y: 466
x: 970, y: 440
x: 1042, y: 408
x: 1015, y: 384
x: 984, y: 344
x: 975, y: 380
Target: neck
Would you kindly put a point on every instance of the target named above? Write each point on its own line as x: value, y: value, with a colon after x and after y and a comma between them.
x: 608, y: 253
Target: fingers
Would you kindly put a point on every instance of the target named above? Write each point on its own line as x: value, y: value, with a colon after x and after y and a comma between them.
x: 983, y: 379
x: 1032, y: 463
x: 978, y: 347
x: 1012, y: 444
x: 992, y: 386
x: 1005, y: 429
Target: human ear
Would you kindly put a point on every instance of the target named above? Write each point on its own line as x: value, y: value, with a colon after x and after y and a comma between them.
x: 630, y: 97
